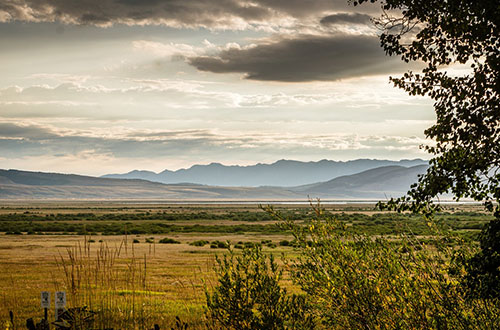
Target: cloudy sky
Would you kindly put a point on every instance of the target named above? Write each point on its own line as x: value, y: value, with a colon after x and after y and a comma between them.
x: 106, y: 86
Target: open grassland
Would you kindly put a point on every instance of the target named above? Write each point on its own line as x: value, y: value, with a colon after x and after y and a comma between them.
x: 109, y: 256
x: 168, y: 278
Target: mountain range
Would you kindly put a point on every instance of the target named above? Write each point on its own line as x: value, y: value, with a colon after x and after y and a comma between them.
x: 283, y: 173
x: 373, y: 184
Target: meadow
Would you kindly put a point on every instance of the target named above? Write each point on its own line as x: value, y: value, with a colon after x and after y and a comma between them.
x: 147, y: 264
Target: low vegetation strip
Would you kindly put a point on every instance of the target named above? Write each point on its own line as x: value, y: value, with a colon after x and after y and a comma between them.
x: 385, y: 223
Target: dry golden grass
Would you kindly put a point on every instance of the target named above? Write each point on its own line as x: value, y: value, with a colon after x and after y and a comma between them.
x: 112, y: 274
x: 171, y: 284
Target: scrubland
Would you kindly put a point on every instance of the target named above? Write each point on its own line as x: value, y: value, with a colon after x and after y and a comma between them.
x: 108, y: 256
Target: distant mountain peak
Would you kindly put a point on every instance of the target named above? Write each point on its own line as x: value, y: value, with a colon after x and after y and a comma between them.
x: 284, y: 172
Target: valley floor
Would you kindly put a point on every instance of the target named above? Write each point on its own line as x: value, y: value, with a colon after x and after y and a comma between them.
x: 151, y: 281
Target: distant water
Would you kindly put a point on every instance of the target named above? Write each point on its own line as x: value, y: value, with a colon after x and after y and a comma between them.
x: 284, y: 202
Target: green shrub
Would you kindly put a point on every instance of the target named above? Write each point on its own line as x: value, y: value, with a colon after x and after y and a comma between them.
x: 167, y: 240
x: 356, y: 282
x: 135, y: 241
x: 248, y: 295
x: 250, y: 245
x: 482, y: 278
x: 199, y: 243
x: 219, y: 245
x: 284, y: 243
x: 15, y: 232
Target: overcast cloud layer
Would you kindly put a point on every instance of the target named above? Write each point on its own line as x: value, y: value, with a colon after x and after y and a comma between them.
x: 218, y: 14
x: 94, y: 87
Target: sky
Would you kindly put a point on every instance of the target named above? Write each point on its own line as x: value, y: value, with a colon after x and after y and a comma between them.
x: 108, y: 86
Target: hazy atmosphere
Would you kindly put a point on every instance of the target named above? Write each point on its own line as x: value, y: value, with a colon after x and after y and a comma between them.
x: 249, y: 164
x: 97, y: 87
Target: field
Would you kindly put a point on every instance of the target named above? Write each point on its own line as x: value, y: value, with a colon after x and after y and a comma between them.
x: 109, y: 254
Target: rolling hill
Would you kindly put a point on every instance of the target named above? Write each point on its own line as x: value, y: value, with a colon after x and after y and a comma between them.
x: 390, y: 181
x: 16, y: 184
x: 378, y: 183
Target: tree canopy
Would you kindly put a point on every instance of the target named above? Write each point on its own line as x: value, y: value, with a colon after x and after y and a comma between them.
x: 445, y: 35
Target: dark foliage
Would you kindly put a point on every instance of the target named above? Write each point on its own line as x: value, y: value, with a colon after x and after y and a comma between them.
x: 167, y: 240
x: 466, y: 154
x: 482, y: 277
x: 467, y: 131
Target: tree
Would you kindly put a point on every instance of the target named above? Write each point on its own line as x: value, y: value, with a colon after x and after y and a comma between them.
x: 441, y: 33
x: 466, y: 154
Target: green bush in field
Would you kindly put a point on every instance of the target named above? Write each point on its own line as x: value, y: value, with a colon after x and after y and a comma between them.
x: 167, y: 240
x: 16, y: 232
x: 250, y: 245
x: 248, y: 295
x: 219, y: 245
x: 199, y: 243
x: 284, y: 243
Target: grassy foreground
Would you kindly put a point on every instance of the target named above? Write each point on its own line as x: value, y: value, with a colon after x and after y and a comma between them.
x: 136, y: 285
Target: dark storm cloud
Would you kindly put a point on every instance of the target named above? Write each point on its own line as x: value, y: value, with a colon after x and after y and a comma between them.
x: 305, y: 58
x: 346, y: 18
x: 190, y: 13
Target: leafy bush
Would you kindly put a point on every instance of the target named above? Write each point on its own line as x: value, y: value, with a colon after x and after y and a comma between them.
x: 15, y: 232
x: 482, y: 278
x: 219, y: 245
x: 249, y: 296
x: 250, y: 245
x: 199, y: 243
x: 284, y: 243
x: 167, y: 240
x: 353, y: 281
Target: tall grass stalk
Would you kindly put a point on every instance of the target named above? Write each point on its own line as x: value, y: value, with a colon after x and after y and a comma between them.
x: 114, y: 287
